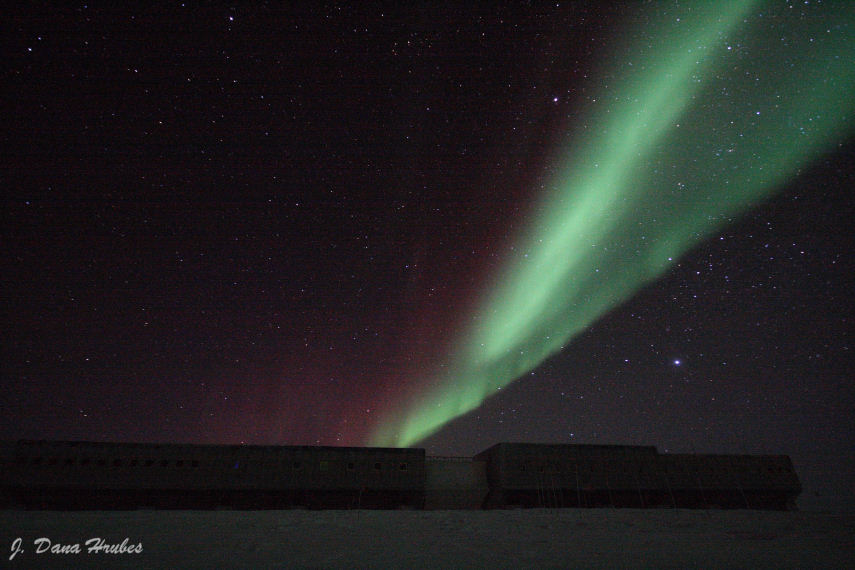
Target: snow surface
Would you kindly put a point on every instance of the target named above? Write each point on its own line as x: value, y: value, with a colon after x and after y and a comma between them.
x: 579, y: 538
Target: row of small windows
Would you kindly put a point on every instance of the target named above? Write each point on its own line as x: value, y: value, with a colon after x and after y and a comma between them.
x: 86, y: 461
x: 323, y: 465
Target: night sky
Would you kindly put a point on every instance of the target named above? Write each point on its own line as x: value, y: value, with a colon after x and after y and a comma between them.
x: 271, y: 225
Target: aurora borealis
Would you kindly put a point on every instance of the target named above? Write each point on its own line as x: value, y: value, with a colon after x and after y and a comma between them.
x: 446, y: 226
x: 710, y: 109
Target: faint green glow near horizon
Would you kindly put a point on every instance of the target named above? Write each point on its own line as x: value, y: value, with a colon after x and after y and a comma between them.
x: 717, y: 106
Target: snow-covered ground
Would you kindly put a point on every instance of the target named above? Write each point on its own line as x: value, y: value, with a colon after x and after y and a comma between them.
x: 599, y: 538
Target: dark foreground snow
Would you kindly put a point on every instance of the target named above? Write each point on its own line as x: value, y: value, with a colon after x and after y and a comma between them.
x: 600, y: 538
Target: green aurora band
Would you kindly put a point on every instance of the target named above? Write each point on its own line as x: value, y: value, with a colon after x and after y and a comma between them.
x: 710, y: 108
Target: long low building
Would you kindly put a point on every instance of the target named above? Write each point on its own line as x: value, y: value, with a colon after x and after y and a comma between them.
x: 537, y: 475
x: 70, y: 474
x: 93, y: 475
